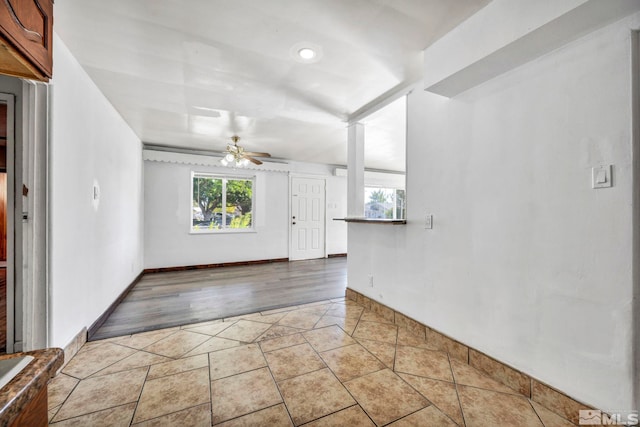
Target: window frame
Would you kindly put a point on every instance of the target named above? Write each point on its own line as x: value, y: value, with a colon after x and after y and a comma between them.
x: 224, y: 177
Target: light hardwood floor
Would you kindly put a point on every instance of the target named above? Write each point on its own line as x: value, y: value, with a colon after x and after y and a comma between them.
x: 162, y: 300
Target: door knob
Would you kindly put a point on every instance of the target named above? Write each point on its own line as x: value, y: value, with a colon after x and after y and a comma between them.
x: 294, y: 223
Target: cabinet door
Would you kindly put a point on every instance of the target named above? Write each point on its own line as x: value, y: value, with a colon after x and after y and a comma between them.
x: 27, y: 26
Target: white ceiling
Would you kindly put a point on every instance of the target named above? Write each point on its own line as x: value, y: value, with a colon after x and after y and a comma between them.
x: 191, y: 73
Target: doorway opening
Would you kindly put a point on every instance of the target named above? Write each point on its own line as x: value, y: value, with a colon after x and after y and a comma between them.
x: 6, y: 224
x: 3, y: 228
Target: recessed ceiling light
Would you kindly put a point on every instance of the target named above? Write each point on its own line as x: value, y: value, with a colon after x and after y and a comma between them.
x: 307, y: 53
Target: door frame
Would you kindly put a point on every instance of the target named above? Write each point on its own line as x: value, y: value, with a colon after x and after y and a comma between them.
x: 635, y: 156
x: 289, y: 219
x: 35, y: 230
x: 10, y: 100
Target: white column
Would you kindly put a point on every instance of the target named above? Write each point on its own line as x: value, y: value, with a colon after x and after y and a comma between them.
x: 355, y: 165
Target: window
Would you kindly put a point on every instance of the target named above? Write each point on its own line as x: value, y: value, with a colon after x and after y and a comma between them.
x: 386, y: 203
x: 221, y: 203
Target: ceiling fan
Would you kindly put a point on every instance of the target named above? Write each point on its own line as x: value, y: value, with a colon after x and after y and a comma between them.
x: 238, y: 156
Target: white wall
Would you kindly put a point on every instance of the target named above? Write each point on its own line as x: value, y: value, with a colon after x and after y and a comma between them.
x: 94, y: 253
x: 525, y: 261
x: 167, y: 216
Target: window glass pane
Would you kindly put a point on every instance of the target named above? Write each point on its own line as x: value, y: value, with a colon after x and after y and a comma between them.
x: 239, y: 198
x: 207, y: 200
x: 383, y: 203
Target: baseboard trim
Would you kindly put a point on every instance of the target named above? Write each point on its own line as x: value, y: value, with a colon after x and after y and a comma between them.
x: 217, y: 265
x: 103, y: 318
x: 336, y: 255
x: 72, y: 348
x: 521, y: 382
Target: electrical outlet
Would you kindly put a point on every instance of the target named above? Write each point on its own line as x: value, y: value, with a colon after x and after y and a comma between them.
x: 371, y: 280
x: 428, y: 223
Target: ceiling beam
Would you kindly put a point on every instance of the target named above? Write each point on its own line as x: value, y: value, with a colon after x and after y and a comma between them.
x: 383, y: 100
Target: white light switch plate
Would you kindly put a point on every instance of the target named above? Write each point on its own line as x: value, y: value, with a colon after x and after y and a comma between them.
x: 601, y: 176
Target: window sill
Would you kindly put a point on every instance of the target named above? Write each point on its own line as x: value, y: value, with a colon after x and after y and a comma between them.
x: 225, y: 231
x: 373, y: 221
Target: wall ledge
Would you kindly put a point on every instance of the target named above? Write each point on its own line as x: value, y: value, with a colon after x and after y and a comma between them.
x: 373, y: 221
x: 505, y: 55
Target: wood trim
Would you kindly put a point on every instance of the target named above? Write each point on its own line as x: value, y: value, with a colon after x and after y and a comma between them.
x: 12, y: 63
x: 31, y: 35
x: 218, y: 265
x: 336, y: 255
x: 103, y: 318
x: 27, y: 27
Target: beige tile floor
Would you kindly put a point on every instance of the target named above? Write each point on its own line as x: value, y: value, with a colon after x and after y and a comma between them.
x: 330, y: 363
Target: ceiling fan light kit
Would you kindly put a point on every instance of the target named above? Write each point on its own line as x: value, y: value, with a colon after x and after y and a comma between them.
x: 239, y: 157
x: 238, y: 163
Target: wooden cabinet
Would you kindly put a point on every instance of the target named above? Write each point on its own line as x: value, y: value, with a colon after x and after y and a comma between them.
x: 35, y: 412
x: 26, y: 38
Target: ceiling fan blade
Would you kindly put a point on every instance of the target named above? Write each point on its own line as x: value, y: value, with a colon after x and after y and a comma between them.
x: 252, y: 160
x: 257, y: 154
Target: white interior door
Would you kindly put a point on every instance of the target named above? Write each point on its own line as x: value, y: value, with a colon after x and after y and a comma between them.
x: 307, y: 218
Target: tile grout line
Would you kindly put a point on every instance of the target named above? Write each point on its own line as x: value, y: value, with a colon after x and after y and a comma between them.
x: 252, y: 412
x: 108, y: 366
x: 210, y: 383
x: 417, y: 391
x: 335, y: 412
x: 535, y: 412
x: 144, y: 383
x: 89, y: 413
x: 455, y: 385
x: 350, y: 394
x: 332, y: 373
x: 65, y: 399
x: 128, y: 369
x: 342, y: 383
x: 277, y: 387
x: 430, y: 402
x: 167, y: 414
